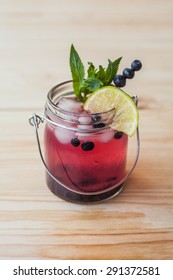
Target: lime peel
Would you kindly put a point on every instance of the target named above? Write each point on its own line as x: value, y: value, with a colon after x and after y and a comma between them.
x: 126, y: 113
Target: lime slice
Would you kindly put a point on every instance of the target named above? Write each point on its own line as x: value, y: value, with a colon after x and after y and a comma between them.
x: 109, y: 97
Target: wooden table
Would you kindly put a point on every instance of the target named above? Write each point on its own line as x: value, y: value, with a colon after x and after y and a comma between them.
x: 34, y: 52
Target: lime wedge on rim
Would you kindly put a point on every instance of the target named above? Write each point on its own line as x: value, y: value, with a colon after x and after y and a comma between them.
x: 126, y: 113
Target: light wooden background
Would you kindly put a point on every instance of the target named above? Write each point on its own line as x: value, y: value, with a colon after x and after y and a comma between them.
x: 35, y: 37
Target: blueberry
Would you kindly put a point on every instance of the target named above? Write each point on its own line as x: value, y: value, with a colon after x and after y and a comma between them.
x: 99, y: 125
x: 75, y: 142
x: 119, y: 80
x: 118, y: 135
x: 87, y: 146
x: 96, y: 118
x: 136, y: 65
x: 128, y: 73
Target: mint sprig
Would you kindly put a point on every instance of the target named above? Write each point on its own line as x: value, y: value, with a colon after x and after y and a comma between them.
x: 96, y: 78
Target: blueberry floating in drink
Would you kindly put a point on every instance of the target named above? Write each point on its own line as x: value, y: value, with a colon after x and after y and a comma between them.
x: 99, y: 125
x: 75, y: 142
x: 96, y: 118
x: 118, y: 135
x: 87, y: 146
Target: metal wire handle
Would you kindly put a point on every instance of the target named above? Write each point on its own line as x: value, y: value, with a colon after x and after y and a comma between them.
x: 35, y: 121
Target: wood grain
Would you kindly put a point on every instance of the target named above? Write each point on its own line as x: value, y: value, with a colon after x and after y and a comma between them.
x: 34, y: 51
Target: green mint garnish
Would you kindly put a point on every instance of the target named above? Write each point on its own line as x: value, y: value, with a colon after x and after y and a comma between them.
x: 90, y: 85
x: 96, y: 78
x: 111, y: 71
x: 78, y: 72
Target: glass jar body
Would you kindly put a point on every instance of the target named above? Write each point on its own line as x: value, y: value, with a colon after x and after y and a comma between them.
x: 86, y: 156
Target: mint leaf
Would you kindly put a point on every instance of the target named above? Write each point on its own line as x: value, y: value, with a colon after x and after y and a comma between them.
x: 77, y: 70
x: 100, y: 73
x: 91, y: 84
x: 91, y: 70
x: 111, y: 70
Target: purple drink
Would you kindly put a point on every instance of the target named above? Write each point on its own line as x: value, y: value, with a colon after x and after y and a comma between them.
x: 81, y: 150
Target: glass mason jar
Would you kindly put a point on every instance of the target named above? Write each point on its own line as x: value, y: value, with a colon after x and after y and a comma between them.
x: 85, y: 159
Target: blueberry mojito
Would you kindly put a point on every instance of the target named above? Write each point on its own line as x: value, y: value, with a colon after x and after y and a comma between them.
x: 89, y: 120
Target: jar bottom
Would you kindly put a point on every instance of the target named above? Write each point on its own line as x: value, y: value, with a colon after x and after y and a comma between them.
x: 73, y: 197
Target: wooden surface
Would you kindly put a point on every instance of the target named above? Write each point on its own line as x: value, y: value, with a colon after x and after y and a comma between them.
x: 35, y: 38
